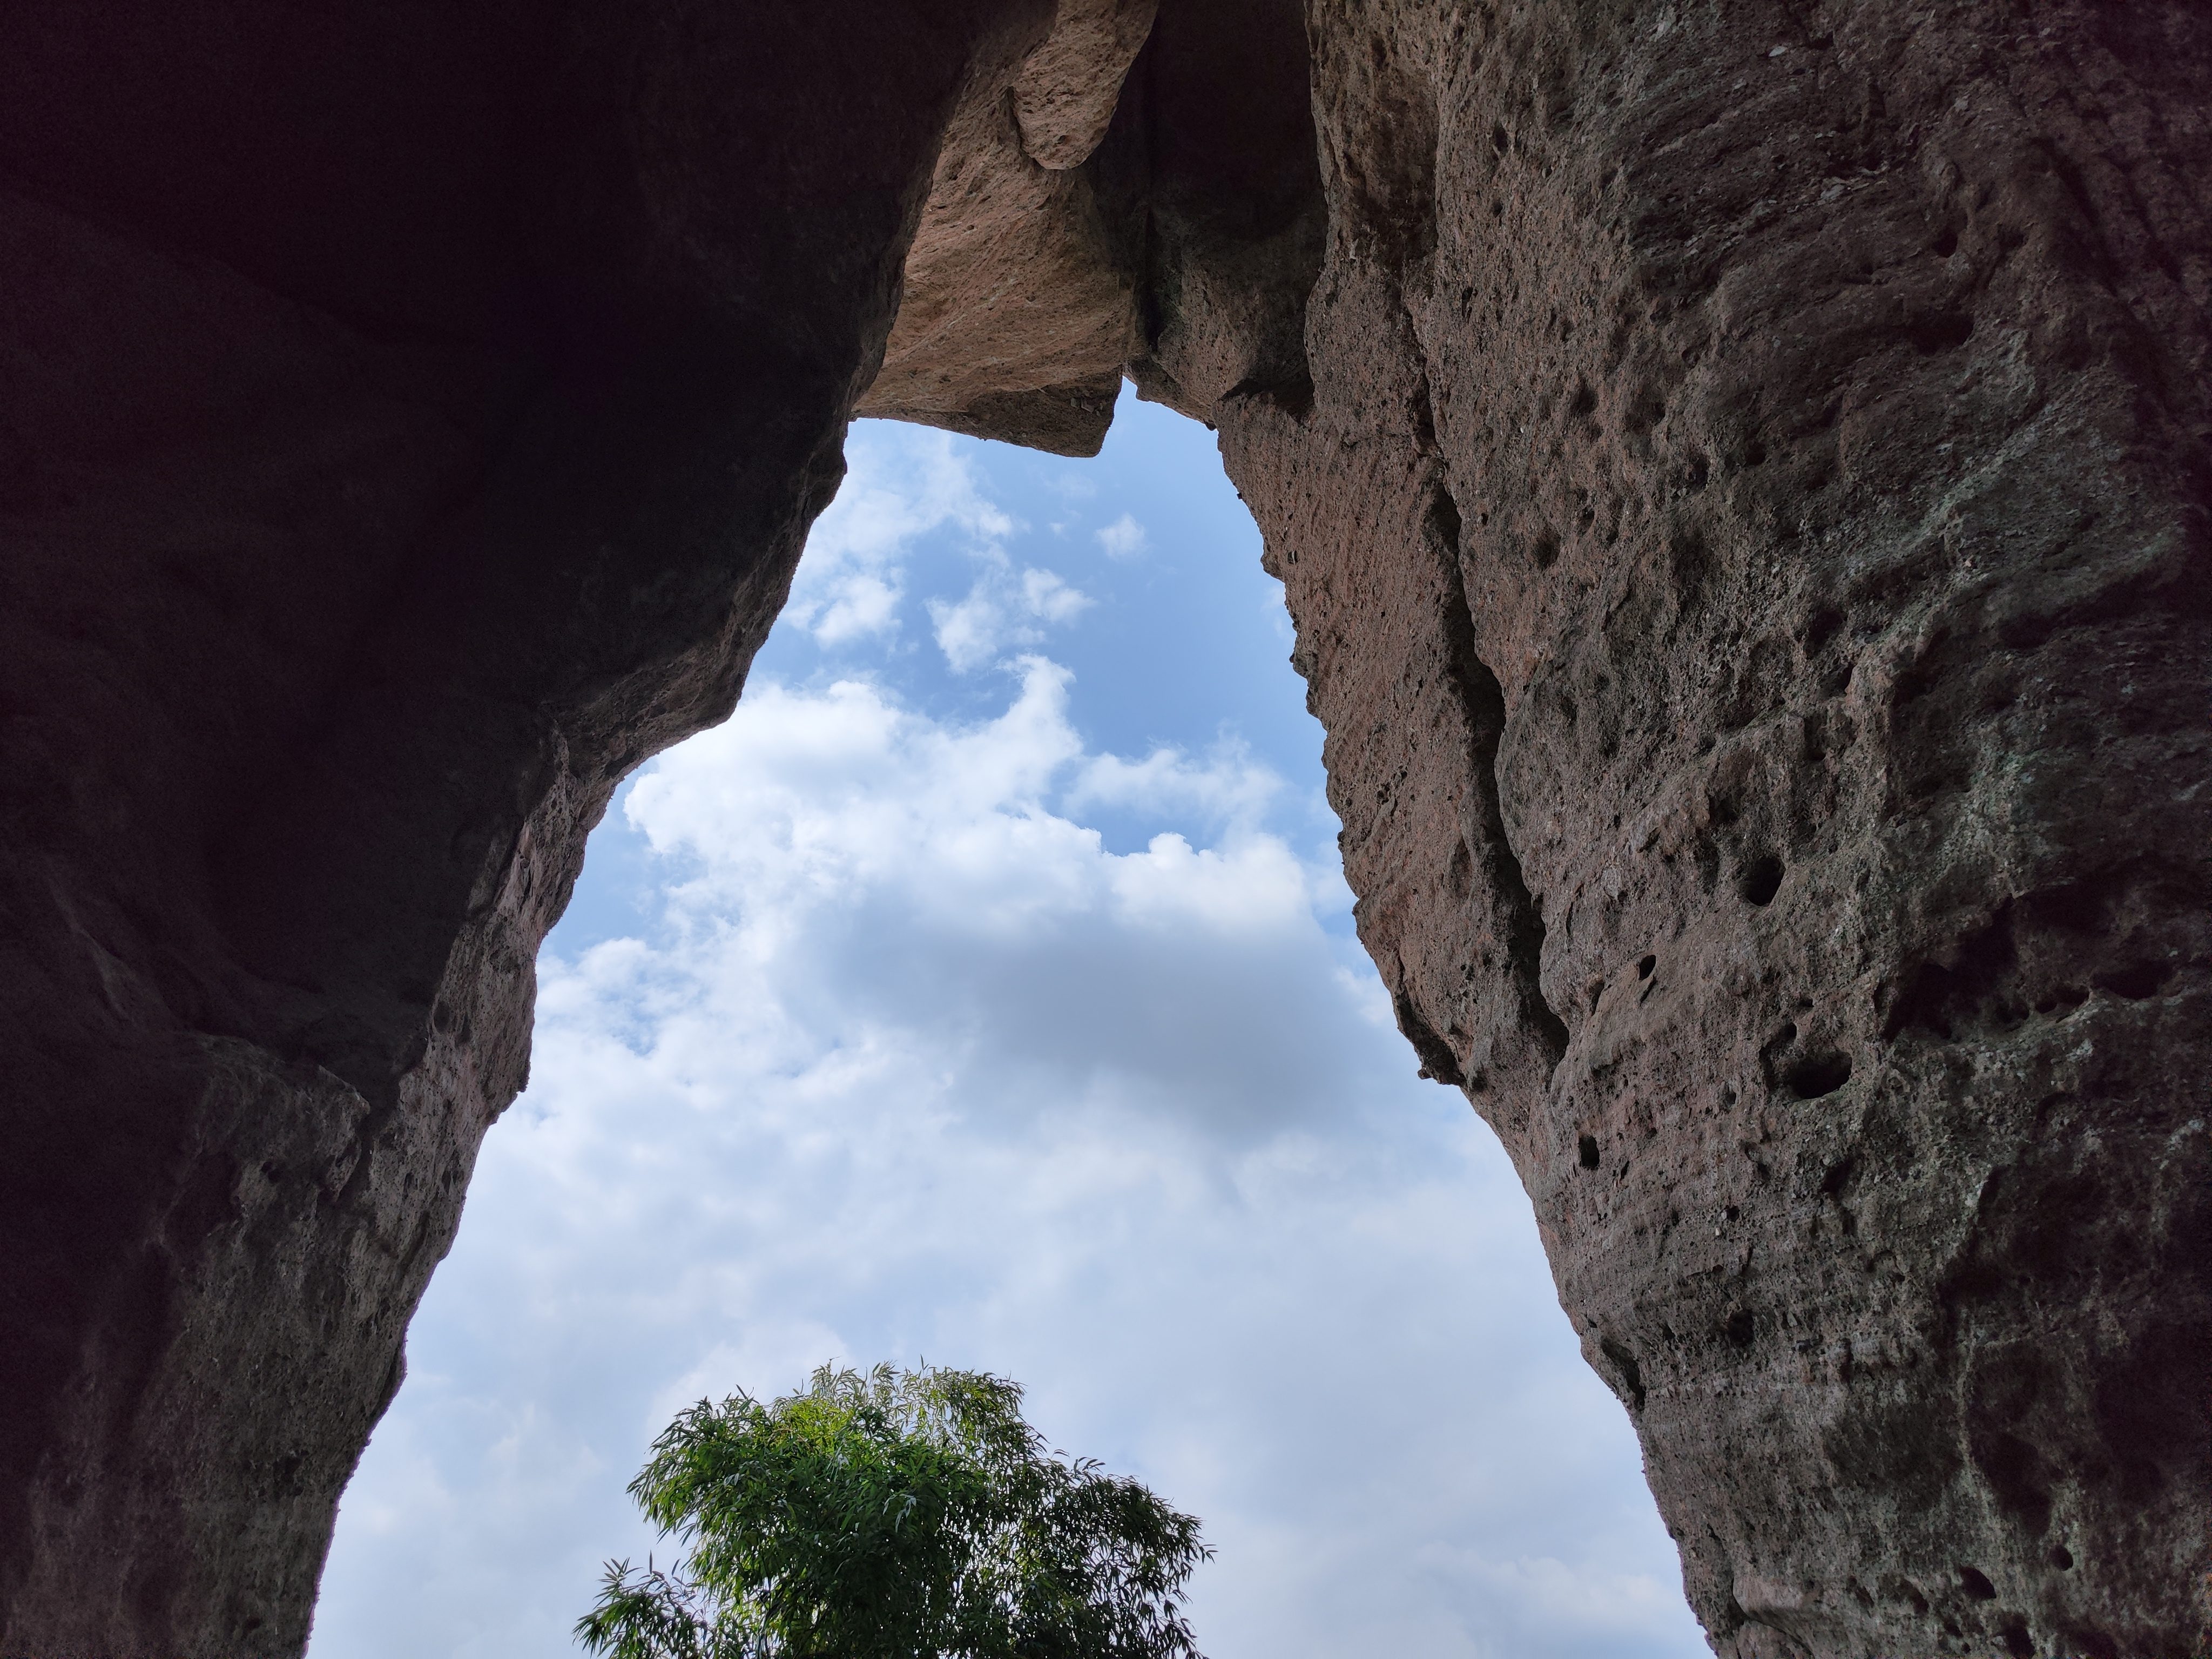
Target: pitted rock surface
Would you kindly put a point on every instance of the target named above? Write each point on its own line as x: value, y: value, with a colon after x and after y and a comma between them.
x: 1747, y: 539
x: 1740, y: 475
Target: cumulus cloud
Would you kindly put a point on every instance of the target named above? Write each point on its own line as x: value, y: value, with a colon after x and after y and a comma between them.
x: 917, y: 1067
x: 1004, y: 609
x: 912, y: 1062
x: 1045, y: 595
x: 1227, y: 788
x: 1124, y: 539
x: 912, y: 876
x: 851, y: 578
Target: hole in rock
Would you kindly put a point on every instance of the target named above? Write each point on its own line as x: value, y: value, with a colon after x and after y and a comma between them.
x: 2137, y: 981
x: 1444, y: 521
x: 1980, y: 989
x: 1945, y: 243
x: 1740, y: 1327
x: 2014, y: 1471
x: 991, y: 927
x: 1946, y: 332
x: 1818, y: 1074
x: 2018, y: 1643
x: 1760, y: 881
x: 1976, y: 1584
x: 1644, y: 968
x: 1631, y: 1373
x: 1691, y: 558
x: 2061, y: 1558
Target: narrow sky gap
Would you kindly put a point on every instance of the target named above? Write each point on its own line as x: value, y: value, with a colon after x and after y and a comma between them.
x: 985, y: 992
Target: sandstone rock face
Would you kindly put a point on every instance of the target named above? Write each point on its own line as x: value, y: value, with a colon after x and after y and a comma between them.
x: 1016, y: 318
x: 1747, y: 537
x: 1068, y: 88
x: 1740, y: 473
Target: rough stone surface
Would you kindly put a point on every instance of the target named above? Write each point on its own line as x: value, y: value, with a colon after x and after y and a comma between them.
x: 1740, y: 473
x: 410, y: 415
x: 1016, y: 317
x: 1068, y: 88
x: 1747, y: 537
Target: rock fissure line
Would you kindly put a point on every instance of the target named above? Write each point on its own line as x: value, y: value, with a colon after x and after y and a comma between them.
x: 1482, y: 701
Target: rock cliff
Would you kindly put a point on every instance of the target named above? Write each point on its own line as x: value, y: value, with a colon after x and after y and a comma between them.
x: 412, y: 416
x: 1747, y: 538
x: 1740, y: 474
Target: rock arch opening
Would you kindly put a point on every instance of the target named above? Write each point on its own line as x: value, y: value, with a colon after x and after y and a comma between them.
x: 986, y: 987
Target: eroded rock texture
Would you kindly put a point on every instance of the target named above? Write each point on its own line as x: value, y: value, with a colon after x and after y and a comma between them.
x: 412, y: 416
x: 1016, y: 317
x: 1747, y: 537
x: 1740, y: 474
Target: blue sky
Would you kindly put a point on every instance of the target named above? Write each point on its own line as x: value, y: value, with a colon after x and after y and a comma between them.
x: 984, y: 991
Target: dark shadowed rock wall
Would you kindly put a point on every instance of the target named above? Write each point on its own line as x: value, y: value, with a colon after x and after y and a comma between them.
x: 410, y: 416
x: 1740, y: 474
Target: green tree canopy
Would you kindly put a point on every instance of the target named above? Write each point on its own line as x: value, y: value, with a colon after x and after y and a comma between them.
x: 898, y: 1515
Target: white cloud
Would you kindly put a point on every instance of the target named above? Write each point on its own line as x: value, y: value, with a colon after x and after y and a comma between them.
x: 863, y: 603
x: 1003, y: 610
x: 851, y: 579
x: 913, y: 1062
x: 935, y: 892
x: 918, y: 1067
x: 1124, y: 539
x: 1228, y: 788
x: 968, y: 630
x: 1046, y: 596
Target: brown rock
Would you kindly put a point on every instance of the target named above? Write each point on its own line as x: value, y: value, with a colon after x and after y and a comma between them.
x: 409, y: 417
x: 1016, y: 318
x: 1066, y: 91
x: 1747, y: 542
